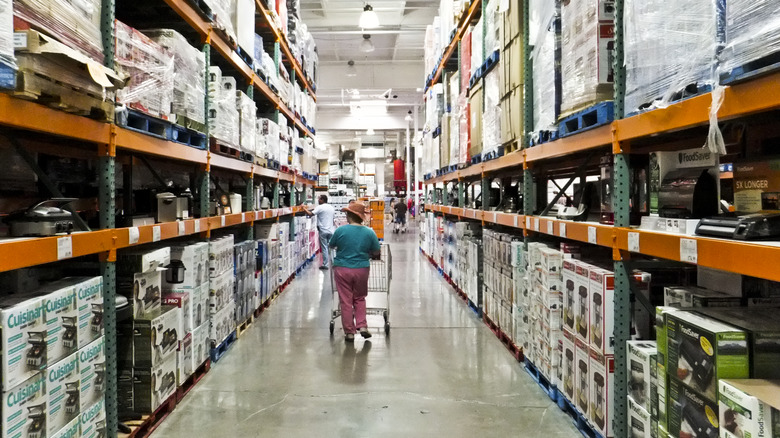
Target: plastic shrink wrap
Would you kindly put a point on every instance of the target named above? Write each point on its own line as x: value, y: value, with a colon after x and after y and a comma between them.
x: 465, y: 129
x: 268, y: 133
x: 477, y: 52
x: 242, y: 19
x: 189, y: 81
x: 670, y: 47
x: 493, y: 29
x: 587, y: 46
x: 7, y: 33
x: 545, y: 39
x: 222, y: 10
x: 454, y: 121
x: 75, y: 23
x: 150, y: 68
x: 752, y: 33
x: 223, y: 114
x: 247, y: 114
x: 430, y: 46
x: 491, y: 117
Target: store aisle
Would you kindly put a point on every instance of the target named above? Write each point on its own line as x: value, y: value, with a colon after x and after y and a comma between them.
x: 440, y: 373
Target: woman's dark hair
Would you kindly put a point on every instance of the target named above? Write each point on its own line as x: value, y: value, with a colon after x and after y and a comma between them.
x: 354, y: 217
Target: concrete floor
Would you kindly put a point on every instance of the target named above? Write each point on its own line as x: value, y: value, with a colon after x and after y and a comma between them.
x: 441, y: 372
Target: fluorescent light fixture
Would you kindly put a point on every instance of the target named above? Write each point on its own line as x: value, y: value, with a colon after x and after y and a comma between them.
x: 366, y: 45
x: 374, y: 107
x: 351, y: 70
x: 368, y: 19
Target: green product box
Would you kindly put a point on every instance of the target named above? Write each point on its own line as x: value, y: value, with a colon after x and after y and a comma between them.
x: 662, y: 399
x: 702, y: 351
x: 749, y: 408
x: 660, y: 332
x: 691, y: 413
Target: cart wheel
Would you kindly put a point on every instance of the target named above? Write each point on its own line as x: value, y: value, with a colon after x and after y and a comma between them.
x: 387, y: 328
x: 332, y: 327
x: 384, y: 314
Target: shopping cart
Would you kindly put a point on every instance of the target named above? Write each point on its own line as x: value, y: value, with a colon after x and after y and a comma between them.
x: 378, y: 299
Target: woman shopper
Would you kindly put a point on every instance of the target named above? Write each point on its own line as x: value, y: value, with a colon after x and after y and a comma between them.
x: 355, y: 245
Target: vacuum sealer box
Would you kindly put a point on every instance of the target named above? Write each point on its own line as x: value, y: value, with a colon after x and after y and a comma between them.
x: 690, y: 412
x: 688, y: 297
x: 156, y: 337
x: 582, y: 381
x: 702, y: 351
x: 62, y: 385
x: 749, y: 408
x: 93, y: 421
x: 72, y: 430
x: 641, y: 364
x: 153, y: 386
x: 23, y: 320
x: 25, y: 408
x: 92, y: 366
x: 134, y: 261
x: 757, y: 186
x: 639, y: 422
x: 568, y: 365
x: 59, y: 300
x: 602, y: 391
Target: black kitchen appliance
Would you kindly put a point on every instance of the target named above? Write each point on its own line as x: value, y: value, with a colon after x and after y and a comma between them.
x: 688, y: 194
x: 36, y: 355
x: 69, y: 331
x: 71, y: 397
x: 167, y: 382
x: 702, y: 367
x: 37, y: 418
x: 568, y: 384
x: 583, y: 389
x: 175, y: 272
x: 581, y: 211
x: 597, y: 319
x: 46, y: 218
x: 582, y: 326
x: 697, y: 423
x: 169, y: 339
x: 757, y: 226
x: 568, y: 313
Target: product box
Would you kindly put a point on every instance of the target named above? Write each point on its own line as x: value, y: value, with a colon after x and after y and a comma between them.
x: 124, y: 393
x: 582, y: 300
x: 662, y: 380
x: 582, y: 381
x: 89, y: 296
x: 568, y: 365
x: 201, y: 345
x: 602, y: 391
x: 134, y: 261
x: 71, y: 430
x: 641, y: 363
x: 92, y: 368
x: 222, y: 324
x: 186, y: 362
x: 153, y: 386
x: 687, y: 297
x: 690, y: 413
x: 220, y: 291
x: 702, y: 351
x: 25, y: 408
x: 184, y: 302
x: 63, y: 388
x: 93, y: 420
x: 23, y: 334
x: 661, y: 334
x: 144, y: 293
x: 570, y: 296
x: 59, y: 300
x: 640, y: 424
x: 156, y: 337
x: 757, y: 186
x: 749, y: 408
x: 193, y: 259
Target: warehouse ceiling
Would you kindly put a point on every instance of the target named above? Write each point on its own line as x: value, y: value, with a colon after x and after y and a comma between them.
x: 396, y: 63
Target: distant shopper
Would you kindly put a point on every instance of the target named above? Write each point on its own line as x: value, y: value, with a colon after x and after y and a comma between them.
x: 325, y: 216
x: 355, y: 245
x: 400, y: 216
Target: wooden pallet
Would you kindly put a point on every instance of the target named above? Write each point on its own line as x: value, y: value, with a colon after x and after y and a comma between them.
x: 149, y: 423
x: 244, y: 326
x: 220, y: 147
x: 191, y: 381
x: 219, y: 351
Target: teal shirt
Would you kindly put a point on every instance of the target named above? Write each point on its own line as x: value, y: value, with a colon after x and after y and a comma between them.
x: 354, y: 245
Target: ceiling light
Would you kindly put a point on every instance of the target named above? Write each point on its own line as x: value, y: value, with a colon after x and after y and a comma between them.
x: 351, y: 70
x: 408, y: 117
x: 368, y: 19
x: 366, y: 45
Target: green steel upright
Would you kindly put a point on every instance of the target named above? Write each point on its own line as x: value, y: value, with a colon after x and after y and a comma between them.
x: 204, y: 178
x: 528, y: 84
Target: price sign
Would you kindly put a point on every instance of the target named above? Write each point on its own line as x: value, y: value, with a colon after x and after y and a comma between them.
x: 243, y: 217
x: 689, y: 251
x: 133, y: 235
x: 592, y: 237
x: 550, y: 228
x: 536, y: 223
x: 156, y: 233
x: 197, y: 226
x: 222, y: 218
x: 182, y: 229
x: 562, y: 229
x: 64, y: 247
x: 633, y: 242
x: 516, y: 217
x: 528, y: 222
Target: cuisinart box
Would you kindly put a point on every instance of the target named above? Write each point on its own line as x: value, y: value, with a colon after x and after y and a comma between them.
x: 640, y: 424
x: 757, y: 186
x: 156, y: 337
x: 691, y: 413
x: 23, y: 338
x: 24, y: 409
x: 153, y: 386
x: 62, y: 385
x: 61, y: 309
x: 93, y: 421
x: 749, y: 408
x: 89, y: 296
x: 602, y: 391
x: 702, y: 351
x: 641, y: 364
x: 92, y: 367
x: 72, y: 430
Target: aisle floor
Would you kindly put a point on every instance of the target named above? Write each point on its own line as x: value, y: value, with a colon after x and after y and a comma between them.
x: 441, y: 372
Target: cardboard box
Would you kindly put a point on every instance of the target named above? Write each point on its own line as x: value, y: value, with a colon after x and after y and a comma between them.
x: 702, y: 351
x: 689, y: 297
x: 641, y: 364
x: 23, y: 334
x: 92, y: 370
x: 71, y: 430
x: 602, y: 304
x: 134, y: 261
x: 125, y: 393
x: 89, y: 296
x: 195, y: 259
x: 661, y: 334
x: 156, y: 337
x: 93, y: 421
x: 25, y: 408
x: 639, y: 421
x: 569, y: 294
x: 757, y: 186
x: 582, y: 300
x: 749, y: 408
x: 512, y: 67
x: 62, y: 313
x: 691, y: 413
x: 602, y: 391
x: 63, y: 388
x: 222, y: 324
x: 583, y: 377
x: 662, y: 397
x: 144, y: 293
x: 183, y: 302
x: 220, y: 292
x: 568, y: 365
x: 511, y: 106
x: 185, y: 360
x: 201, y: 345
x: 153, y: 386
x: 512, y: 23
x: 476, y: 107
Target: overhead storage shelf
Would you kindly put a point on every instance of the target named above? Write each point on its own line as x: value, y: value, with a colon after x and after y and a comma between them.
x: 472, y: 13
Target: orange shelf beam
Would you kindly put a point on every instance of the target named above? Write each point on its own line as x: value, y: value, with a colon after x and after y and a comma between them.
x: 147, y: 144
x: 229, y: 163
x: 463, y: 24
x: 22, y: 114
x: 591, y: 139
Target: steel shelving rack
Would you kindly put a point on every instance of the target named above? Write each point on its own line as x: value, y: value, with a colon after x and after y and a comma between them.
x: 744, y: 99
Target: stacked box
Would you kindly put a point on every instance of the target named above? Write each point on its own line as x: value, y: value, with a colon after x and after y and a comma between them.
x: 640, y: 424
x: 223, y: 117
x: 476, y: 106
x: 694, y: 297
x: 25, y: 408
x: 247, y: 114
x: 749, y: 408
x: 245, y: 292
x: 752, y: 33
x: 242, y: 17
x: 92, y: 421
x: 23, y: 339
x: 222, y: 10
x: 63, y: 388
x: 491, y: 116
x: 602, y: 391
x: 221, y: 288
x: 6, y: 34
x: 139, y: 278
x: 511, y: 75
x: 92, y: 373
x: 78, y: 25
x: 150, y: 68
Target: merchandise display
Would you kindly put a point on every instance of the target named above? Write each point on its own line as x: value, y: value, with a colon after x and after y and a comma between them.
x: 752, y: 34
x: 25, y: 407
x: 223, y: 117
x: 93, y: 421
x: 92, y: 370
x: 23, y: 339
x: 62, y: 386
x: 749, y: 408
x: 77, y: 24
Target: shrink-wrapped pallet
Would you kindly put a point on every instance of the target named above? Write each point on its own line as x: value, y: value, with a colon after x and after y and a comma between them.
x: 752, y: 34
x: 6, y: 33
x: 545, y: 39
x: 491, y: 117
x: 247, y: 113
x: 222, y: 10
x: 75, y: 23
x: 223, y: 113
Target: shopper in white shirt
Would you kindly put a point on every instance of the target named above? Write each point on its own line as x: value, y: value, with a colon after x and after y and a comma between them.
x: 325, y: 217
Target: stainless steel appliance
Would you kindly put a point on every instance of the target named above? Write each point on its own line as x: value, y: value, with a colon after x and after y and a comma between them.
x: 45, y: 218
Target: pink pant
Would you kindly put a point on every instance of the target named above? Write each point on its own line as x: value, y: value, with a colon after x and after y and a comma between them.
x: 352, y: 285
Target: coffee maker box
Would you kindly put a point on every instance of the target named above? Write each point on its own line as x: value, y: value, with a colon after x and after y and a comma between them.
x: 641, y: 364
x: 156, y: 337
x: 59, y: 300
x: 569, y: 294
x: 92, y: 370
x: 690, y: 412
x: 702, y: 351
x: 71, y: 430
x: 93, y: 420
x: 153, y: 386
x: 63, y: 387
x: 582, y: 381
x: 640, y: 424
x: 602, y: 391
x: 568, y: 365
x: 89, y: 296
x: 749, y: 408
x: 23, y: 338
x: 582, y: 300
x: 25, y: 408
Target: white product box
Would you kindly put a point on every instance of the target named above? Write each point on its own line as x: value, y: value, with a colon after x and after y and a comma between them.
x: 602, y: 391
x: 89, y: 296
x: 222, y: 324
x: 62, y: 385
x: 25, y: 408
x: 23, y: 338
x: 602, y: 303
x: 194, y: 258
x: 551, y: 261
x: 185, y: 360
x: 156, y: 337
x: 639, y: 422
x: 200, y: 306
x: 749, y: 408
x: 687, y: 297
x: 220, y: 292
x: 59, y: 300
x: 133, y: 261
x: 93, y: 420
x: 72, y: 430
x: 641, y: 362
x: 583, y: 379
x: 201, y: 345
x: 569, y: 365
x: 153, y: 386
x: 582, y: 300
x: 92, y: 368
x: 718, y: 280
x: 147, y: 293
x: 570, y: 296
x: 182, y: 301
x: 549, y: 280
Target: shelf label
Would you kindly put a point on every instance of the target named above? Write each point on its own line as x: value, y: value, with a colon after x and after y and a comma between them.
x: 550, y: 228
x: 222, y: 219
x: 528, y: 222
x: 592, y: 236
x: 536, y: 223
x: 197, y: 226
x: 182, y: 230
x: 64, y: 247
x: 243, y: 217
x: 562, y: 229
x: 257, y: 215
x: 633, y: 242
x: 689, y: 251
x: 494, y: 217
x: 156, y: 233
x: 133, y: 234
x: 516, y: 216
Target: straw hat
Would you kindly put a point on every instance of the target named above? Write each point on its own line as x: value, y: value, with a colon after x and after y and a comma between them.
x: 357, y: 208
